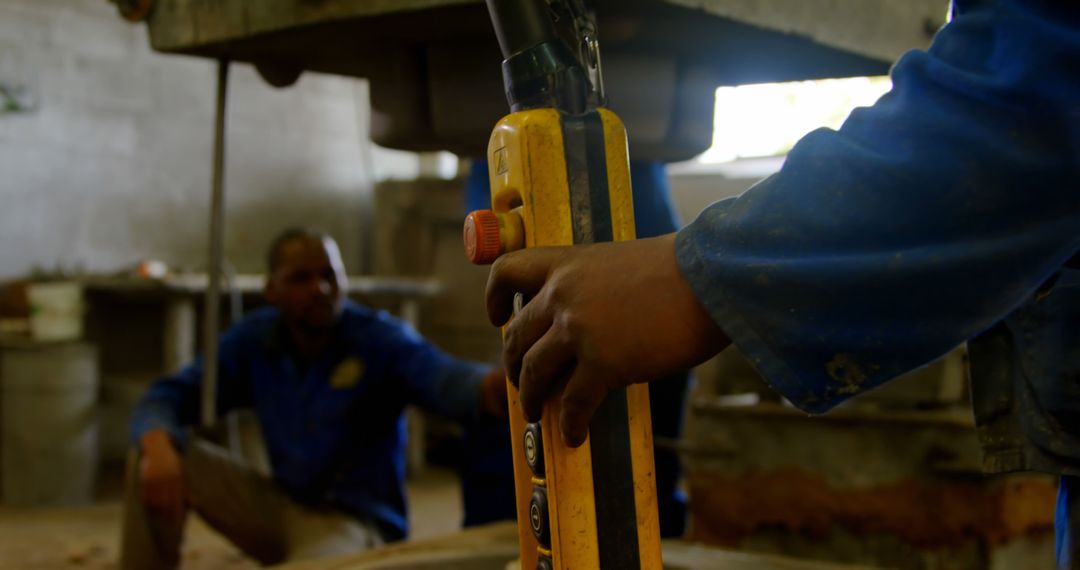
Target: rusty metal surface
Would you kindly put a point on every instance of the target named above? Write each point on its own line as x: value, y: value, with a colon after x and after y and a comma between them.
x: 900, y: 488
x: 926, y: 514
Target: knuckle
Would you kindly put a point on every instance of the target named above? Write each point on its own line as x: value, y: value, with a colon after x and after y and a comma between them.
x: 571, y: 323
x: 530, y: 370
x: 555, y: 287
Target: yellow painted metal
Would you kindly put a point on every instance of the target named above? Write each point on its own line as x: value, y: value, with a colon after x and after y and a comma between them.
x: 618, y: 172
x: 528, y: 175
x: 637, y: 396
x: 528, y: 169
x: 641, y: 454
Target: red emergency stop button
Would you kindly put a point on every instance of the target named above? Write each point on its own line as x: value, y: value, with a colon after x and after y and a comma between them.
x: 482, y: 237
x: 488, y: 235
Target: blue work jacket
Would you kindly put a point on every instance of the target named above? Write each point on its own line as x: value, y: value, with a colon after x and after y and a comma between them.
x: 334, y: 428
x: 947, y: 212
x: 948, y: 207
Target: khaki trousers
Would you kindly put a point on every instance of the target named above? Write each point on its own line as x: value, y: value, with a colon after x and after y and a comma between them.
x: 249, y: 509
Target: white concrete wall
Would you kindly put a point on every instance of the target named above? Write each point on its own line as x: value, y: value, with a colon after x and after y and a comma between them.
x: 694, y: 187
x: 115, y: 164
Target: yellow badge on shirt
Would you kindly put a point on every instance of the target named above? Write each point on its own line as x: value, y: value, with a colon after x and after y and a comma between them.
x: 347, y: 374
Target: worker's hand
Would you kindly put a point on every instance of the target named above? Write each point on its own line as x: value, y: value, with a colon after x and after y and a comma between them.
x: 161, y: 474
x: 493, y: 394
x: 600, y: 317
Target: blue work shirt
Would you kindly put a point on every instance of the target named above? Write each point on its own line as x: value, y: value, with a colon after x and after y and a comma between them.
x: 946, y: 212
x: 334, y: 428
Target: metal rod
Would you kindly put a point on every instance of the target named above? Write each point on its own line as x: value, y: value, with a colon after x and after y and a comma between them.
x: 211, y: 312
x: 520, y: 24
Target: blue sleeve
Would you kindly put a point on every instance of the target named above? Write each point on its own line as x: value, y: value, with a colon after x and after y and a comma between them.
x: 172, y: 402
x: 923, y: 221
x: 436, y: 381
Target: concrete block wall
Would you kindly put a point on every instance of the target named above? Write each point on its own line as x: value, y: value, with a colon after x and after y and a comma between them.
x: 419, y: 234
x: 115, y: 163
x: 694, y: 189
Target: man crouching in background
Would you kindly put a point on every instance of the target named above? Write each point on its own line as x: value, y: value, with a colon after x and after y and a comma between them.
x: 329, y: 380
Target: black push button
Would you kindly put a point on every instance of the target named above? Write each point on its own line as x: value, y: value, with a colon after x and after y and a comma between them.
x: 534, y: 449
x: 544, y: 563
x: 538, y: 516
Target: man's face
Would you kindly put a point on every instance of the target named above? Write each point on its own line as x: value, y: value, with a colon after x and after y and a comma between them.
x: 308, y: 283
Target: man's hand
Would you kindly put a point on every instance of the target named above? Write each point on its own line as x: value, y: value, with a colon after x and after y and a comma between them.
x: 493, y: 394
x: 161, y: 474
x: 600, y: 317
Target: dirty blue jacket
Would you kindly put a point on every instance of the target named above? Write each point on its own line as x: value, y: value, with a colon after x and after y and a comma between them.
x: 334, y: 430
x: 948, y: 211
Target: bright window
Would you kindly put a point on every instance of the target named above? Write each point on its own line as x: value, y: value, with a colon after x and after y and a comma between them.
x: 768, y: 119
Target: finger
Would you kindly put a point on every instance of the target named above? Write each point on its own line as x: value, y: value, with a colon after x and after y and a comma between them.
x: 146, y: 485
x: 498, y: 409
x: 544, y: 367
x: 517, y: 272
x: 583, y: 395
x: 495, y: 398
x: 530, y: 324
x: 168, y: 506
x: 160, y: 499
x: 501, y: 397
x: 177, y: 504
x: 156, y: 495
x: 148, y: 492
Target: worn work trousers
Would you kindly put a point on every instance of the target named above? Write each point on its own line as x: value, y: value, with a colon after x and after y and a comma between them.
x: 246, y: 507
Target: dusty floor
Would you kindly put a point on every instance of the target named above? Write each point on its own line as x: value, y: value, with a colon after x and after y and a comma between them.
x: 88, y: 537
